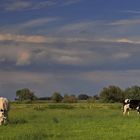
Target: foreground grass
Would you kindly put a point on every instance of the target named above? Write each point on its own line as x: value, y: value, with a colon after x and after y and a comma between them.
x: 70, y: 122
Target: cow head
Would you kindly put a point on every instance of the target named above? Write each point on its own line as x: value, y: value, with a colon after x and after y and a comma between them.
x: 127, y: 101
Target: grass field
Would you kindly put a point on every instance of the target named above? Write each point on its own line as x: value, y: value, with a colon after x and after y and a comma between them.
x: 81, y: 121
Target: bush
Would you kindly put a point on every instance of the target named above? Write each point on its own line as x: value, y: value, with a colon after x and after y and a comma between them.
x: 112, y: 94
x: 69, y: 99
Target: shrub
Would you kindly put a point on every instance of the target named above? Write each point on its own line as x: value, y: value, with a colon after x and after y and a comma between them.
x: 69, y: 99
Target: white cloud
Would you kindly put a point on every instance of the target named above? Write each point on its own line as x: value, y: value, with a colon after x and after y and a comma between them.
x: 125, y: 40
x: 69, y: 60
x: 119, y: 40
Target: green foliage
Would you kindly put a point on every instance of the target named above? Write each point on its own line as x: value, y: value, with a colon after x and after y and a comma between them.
x: 132, y: 92
x: 25, y: 94
x: 57, y: 97
x: 112, y: 94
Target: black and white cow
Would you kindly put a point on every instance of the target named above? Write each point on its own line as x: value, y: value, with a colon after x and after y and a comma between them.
x: 131, y: 104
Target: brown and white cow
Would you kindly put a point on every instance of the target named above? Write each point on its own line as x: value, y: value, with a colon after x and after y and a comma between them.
x: 4, y: 108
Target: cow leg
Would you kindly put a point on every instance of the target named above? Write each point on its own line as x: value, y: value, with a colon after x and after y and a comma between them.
x: 126, y: 109
x: 138, y: 110
x: 6, y: 119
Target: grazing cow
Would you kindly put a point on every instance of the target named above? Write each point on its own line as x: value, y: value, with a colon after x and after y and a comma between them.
x: 2, y: 118
x: 4, y: 108
x: 131, y: 104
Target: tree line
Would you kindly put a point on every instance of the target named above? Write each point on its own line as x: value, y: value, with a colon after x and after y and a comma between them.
x: 108, y: 94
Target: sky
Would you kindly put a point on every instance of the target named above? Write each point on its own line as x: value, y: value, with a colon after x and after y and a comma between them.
x: 68, y: 46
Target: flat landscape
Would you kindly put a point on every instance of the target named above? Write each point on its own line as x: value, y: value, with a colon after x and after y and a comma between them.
x: 79, y: 121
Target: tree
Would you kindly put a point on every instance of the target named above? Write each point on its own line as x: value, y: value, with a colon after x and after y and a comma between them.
x: 96, y: 97
x: 57, y: 97
x: 112, y: 94
x: 132, y: 92
x: 25, y: 94
x: 83, y: 97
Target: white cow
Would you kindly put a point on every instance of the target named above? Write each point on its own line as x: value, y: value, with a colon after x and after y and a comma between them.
x: 4, y: 108
x: 2, y: 118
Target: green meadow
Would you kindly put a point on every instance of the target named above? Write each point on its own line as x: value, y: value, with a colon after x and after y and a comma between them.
x: 80, y: 121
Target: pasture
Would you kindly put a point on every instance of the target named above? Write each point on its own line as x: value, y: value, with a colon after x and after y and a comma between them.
x: 80, y: 121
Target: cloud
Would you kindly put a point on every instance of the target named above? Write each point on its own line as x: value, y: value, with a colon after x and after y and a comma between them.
x: 125, y: 40
x: 69, y: 49
x: 21, y: 5
x: 2, y: 59
x: 17, y: 5
x: 41, y: 38
x: 131, y: 11
x: 71, y: 32
x: 67, y: 3
x: 11, y: 81
x: 22, y: 38
x: 33, y: 50
x: 121, y: 78
x: 37, y: 22
x: 68, y: 60
x: 77, y: 26
x: 43, y: 84
x: 14, y: 55
x: 21, y: 77
x: 26, y: 26
x: 119, y: 40
x: 122, y: 55
x: 23, y: 58
x: 126, y: 22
